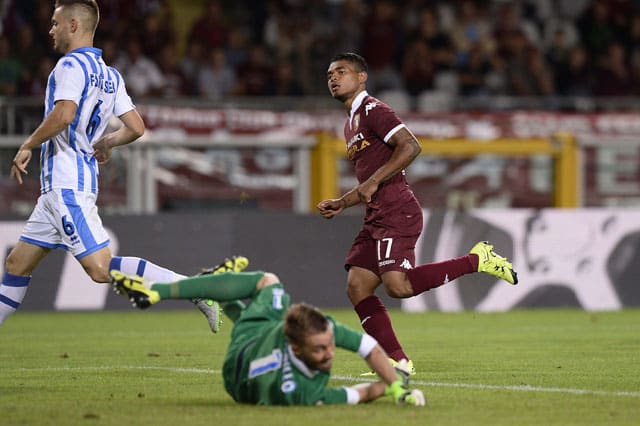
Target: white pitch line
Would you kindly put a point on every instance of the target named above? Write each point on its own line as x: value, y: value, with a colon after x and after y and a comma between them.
x: 520, y: 388
x: 122, y: 367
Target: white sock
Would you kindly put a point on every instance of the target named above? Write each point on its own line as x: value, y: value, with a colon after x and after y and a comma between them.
x: 12, y: 292
x: 145, y: 269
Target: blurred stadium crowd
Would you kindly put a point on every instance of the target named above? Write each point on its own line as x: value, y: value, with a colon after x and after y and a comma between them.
x: 528, y: 48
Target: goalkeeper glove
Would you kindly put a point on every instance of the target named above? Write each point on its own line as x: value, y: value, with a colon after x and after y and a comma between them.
x: 399, y: 390
x: 402, y: 394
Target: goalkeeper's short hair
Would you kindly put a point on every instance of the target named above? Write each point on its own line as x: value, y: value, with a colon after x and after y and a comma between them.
x: 302, y: 319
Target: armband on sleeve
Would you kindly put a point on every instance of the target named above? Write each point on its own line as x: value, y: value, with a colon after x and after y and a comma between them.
x: 353, y: 396
x: 366, y: 345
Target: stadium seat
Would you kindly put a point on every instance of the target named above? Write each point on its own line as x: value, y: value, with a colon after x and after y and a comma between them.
x: 434, y: 101
x: 446, y: 81
x: 399, y: 100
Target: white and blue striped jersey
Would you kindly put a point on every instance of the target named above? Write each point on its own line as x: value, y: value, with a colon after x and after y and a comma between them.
x: 81, y: 76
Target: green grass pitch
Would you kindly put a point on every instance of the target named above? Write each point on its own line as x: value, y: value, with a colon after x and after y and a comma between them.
x: 525, y: 367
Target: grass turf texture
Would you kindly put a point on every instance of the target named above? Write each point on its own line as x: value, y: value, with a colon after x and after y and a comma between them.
x: 529, y: 367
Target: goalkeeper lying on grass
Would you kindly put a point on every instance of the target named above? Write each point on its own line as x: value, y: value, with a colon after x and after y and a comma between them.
x: 279, y: 354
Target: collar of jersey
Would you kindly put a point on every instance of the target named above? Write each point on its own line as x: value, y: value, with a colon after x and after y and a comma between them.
x: 356, y: 104
x: 300, y: 365
x: 89, y: 49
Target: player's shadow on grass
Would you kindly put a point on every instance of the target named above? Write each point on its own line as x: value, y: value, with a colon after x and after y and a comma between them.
x: 227, y: 403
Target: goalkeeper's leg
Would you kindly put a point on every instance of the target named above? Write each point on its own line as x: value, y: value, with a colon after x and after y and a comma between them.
x: 150, y: 272
x: 210, y: 308
x: 225, y: 287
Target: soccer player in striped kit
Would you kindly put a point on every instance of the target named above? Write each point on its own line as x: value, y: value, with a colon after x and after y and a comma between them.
x: 380, y: 146
x: 82, y: 94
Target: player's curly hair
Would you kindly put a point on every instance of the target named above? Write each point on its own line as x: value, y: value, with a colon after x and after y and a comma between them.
x: 354, y: 58
x: 303, y: 319
x: 89, y: 6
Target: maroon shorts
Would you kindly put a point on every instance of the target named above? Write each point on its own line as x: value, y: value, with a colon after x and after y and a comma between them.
x: 379, y: 256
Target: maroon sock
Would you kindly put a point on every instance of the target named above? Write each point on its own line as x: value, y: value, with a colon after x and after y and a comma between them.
x: 432, y: 275
x: 376, y: 322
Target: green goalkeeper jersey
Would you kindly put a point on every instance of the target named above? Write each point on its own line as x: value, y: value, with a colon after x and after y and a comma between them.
x: 260, y: 367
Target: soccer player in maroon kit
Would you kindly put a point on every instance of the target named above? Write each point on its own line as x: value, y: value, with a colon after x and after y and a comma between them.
x: 380, y: 146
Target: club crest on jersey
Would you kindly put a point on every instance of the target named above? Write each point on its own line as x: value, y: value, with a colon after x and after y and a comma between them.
x: 368, y: 107
x: 356, y: 121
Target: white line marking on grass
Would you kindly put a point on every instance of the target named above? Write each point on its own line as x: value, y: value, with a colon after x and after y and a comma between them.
x: 124, y: 367
x: 528, y: 388
x: 519, y: 388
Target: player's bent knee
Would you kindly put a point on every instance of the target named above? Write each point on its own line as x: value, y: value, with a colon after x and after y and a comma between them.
x: 398, y: 291
x: 98, y: 275
x: 267, y: 279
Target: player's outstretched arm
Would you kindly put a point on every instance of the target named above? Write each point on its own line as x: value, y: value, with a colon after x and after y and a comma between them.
x: 399, y: 390
x: 133, y: 128
x: 378, y: 361
x: 394, y: 382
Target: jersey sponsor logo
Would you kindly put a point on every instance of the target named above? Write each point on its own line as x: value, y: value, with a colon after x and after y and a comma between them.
x: 406, y: 264
x: 368, y: 107
x: 356, y: 121
x: 354, y: 139
x: 288, y: 384
x: 355, y: 148
x: 264, y: 365
x: 387, y: 262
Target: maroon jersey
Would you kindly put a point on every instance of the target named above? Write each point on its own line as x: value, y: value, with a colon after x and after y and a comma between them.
x: 393, y: 209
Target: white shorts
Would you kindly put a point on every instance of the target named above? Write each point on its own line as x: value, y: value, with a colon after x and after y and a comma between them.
x: 66, y: 219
